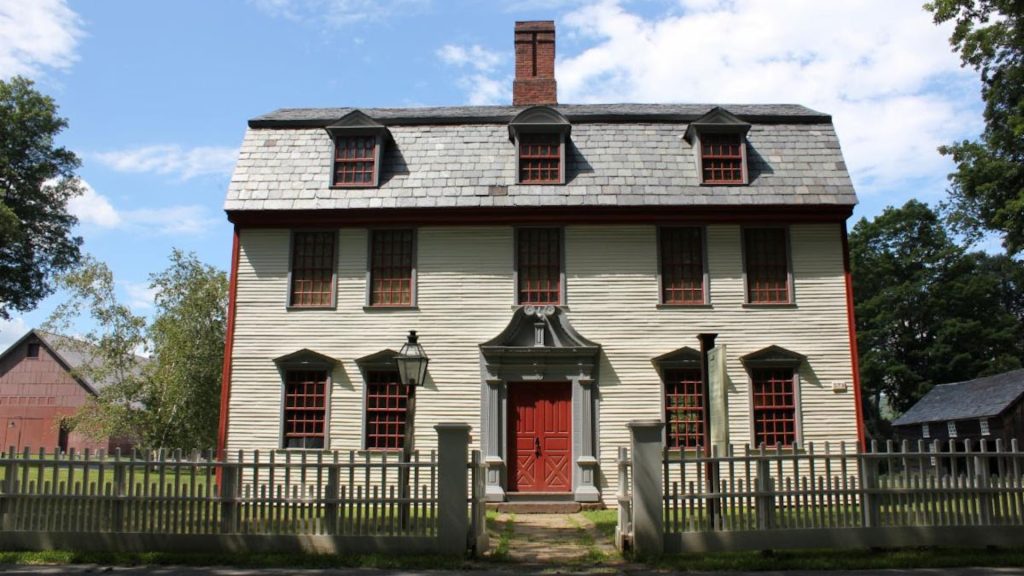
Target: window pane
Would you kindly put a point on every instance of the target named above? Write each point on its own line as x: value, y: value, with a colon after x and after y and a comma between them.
x: 721, y: 158
x: 539, y: 158
x: 774, y: 406
x: 312, y: 269
x: 682, y: 266
x: 387, y: 404
x: 391, y: 268
x: 767, y: 265
x: 539, y: 260
x: 305, y: 408
x: 684, y: 408
x: 354, y: 158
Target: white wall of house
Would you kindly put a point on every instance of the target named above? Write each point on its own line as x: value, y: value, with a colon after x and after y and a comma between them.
x: 466, y: 296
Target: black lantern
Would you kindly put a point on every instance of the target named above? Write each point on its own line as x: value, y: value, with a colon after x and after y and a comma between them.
x: 412, y: 362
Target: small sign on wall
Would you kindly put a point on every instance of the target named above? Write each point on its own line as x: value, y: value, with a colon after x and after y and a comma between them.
x: 838, y: 386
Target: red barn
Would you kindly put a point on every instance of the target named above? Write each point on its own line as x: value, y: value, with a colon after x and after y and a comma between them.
x: 39, y: 388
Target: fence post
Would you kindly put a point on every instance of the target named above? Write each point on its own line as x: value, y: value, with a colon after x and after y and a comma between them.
x: 452, y: 490
x: 119, y: 492
x: 869, y: 501
x: 765, y: 500
x: 10, y: 484
x: 981, y: 479
x: 331, y: 507
x: 229, y: 498
x: 648, y: 500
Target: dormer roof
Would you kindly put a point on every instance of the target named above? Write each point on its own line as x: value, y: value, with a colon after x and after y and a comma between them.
x: 717, y: 121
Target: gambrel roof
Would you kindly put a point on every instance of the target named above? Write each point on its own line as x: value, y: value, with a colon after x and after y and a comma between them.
x: 618, y: 155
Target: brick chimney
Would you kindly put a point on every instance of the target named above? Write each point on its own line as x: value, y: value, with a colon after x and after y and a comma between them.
x: 535, y: 64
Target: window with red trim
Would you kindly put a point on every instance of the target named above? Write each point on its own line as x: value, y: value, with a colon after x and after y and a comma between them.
x: 767, y: 265
x: 684, y: 408
x: 721, y: 158
x: 539, y: 259
x: 355, y: 159
x: 312, y: 277
x: 540, y: 159
x: 391, y: 263
x: 387, y: 410
x: 305, y: 408
x: 774, y: 406
x: 682, y: 266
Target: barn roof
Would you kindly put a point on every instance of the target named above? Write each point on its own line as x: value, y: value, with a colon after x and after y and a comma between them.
x: 979, y: 398
x: 76, y: 356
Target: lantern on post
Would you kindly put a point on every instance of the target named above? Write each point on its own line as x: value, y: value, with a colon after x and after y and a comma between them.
x: 412, y: 361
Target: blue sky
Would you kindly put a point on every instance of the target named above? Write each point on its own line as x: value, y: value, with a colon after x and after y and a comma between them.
x: 157, y: 93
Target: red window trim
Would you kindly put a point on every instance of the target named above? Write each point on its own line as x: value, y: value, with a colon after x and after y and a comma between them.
x: 356, y: 163
x: 683, y: 384
x: 393, y: 416
x: 676, y: 267
x: 406, y: 268
x: 317, y: 270
x: 525, y: 155
x: 305, y: 408
x: 541, y: 271
x: 759, y: 288
x: 774, y: 406
x: 720, y: 161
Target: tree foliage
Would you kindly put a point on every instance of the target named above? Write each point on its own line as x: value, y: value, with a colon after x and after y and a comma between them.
x: 169, y: 400
x: 36, y: 182
x: 928, y: 311
x: 987, y: 189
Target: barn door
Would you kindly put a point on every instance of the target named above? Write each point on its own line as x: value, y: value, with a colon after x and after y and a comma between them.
x: 540, y: 438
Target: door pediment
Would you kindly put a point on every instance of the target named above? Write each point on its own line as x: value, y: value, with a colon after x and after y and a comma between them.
x: 539, y: 333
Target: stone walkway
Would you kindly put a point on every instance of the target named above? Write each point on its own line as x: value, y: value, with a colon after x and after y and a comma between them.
x: 568, y: 539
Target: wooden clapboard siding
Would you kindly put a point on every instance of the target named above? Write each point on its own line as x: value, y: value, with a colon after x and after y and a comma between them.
x: 465, y: 297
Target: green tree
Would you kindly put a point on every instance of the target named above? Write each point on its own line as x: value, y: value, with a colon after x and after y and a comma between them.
x: 928, y: 311
x: 36, y: 182
x: 169, y: 400
x: 987, y: 189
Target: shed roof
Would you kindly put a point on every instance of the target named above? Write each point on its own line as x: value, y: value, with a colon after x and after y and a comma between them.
x: 619, y: 155
x: 978, y: 398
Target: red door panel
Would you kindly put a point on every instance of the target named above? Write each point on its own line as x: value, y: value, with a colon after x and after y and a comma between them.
x: 540, y: 437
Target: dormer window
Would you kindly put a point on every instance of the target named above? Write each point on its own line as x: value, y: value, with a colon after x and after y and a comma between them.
x: 540, y: 134
x: 355, y: 161
x: 358, y: 143
x: 720, y: 142
x: 721, y: 159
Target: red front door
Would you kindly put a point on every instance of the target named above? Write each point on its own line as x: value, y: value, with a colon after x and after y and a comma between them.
x: 540, y: 438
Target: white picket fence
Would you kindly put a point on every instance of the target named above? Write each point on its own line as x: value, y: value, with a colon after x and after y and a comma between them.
x: 831, y: 495
x: 282, y: 500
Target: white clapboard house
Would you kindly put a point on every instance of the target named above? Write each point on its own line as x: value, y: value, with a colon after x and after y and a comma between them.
x: 557, y: 262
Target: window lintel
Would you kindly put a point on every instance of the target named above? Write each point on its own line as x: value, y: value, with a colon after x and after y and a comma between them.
x: 684, y: 357
x: 773, y: 357
x: 306, y: 359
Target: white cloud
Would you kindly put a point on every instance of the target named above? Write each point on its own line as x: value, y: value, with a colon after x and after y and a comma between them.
x: 475, y: 56
x: 338, y: 13
x: 174, y: 220
x: 11, y: 330
x: 36, y: 35
x: 94, y: 208
x: 170, y: 159
x: 140, y: 295
x: 895, y: 90
x: 485, y: 83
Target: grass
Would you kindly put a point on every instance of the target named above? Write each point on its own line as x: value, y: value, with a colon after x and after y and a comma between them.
x: 383, y: 561
x: 604, y: 520
x: 499, y: 552
x: 845, y: 559
x: 584, y: 538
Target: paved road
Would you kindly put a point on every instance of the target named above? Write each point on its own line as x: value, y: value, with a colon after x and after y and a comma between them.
x: 91, y: 570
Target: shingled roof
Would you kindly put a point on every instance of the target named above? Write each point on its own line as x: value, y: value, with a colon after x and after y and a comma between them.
x: 618, y: 155
x: 978, y: 398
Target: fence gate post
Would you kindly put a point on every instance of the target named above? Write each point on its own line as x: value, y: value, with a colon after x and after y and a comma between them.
x: 648, y: 499
x: 229, y: 498
x: 331, y: 507
x: 452, y: 489
x: 981, y: 479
